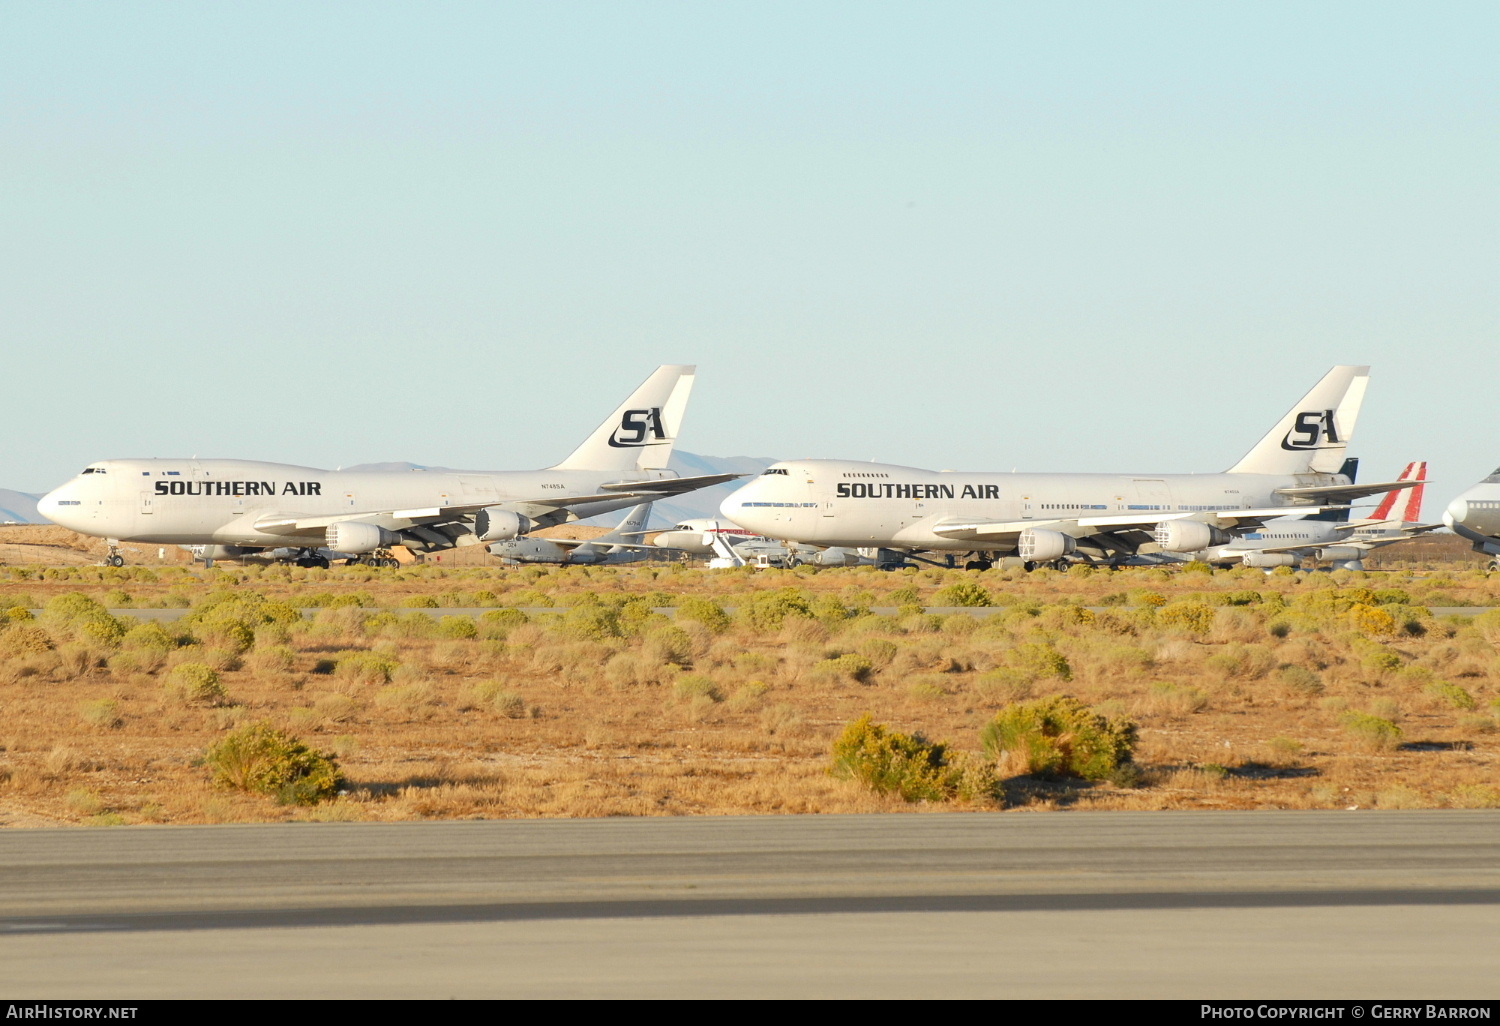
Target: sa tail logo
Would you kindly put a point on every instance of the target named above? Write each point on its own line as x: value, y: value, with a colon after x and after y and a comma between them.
x: 1312, y: 430
x: 634, y: 427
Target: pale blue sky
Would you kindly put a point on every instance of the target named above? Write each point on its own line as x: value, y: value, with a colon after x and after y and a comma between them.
x: 1053, y: 236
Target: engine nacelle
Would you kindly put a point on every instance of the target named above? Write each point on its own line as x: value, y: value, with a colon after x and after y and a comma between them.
x: 1038, y: 545
x: 1341, y: 553
x: 206, y: 552
x: 1267, y: 560
x: 355, y: 537
x: 492, y: 525
x: 1187, y: 536
x: 835, y: 557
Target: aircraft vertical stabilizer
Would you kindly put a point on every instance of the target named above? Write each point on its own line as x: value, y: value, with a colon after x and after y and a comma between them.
x: 1314, y: 435
x: 1412, y: 508
x: 640, y: 434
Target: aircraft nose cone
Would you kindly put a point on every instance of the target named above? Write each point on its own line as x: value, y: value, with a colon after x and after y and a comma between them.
x: 1457, y: 512
x: 50, y: 504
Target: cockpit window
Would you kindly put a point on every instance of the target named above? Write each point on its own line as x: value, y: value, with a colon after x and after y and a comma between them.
x: 775, y: 470
x: 95, y: 470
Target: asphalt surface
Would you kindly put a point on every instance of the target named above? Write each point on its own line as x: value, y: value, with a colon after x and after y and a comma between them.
x: 1194, y: 904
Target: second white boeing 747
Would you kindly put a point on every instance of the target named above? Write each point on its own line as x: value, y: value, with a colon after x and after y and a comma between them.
x: 1057, y: 518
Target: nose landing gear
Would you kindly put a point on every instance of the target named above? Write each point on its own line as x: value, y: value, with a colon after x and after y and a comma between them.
x: 114, y: 558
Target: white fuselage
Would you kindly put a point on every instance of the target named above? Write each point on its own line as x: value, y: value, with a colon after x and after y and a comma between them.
x: 697, y: 536
x: 207, y: 502
x: 1475, y: 514
x: 853, y: 504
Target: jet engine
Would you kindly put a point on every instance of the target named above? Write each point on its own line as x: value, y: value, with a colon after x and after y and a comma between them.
x: 835, y: 557
x: 1266, y: 560
x: 492, y: 525
x: 1037, y: 545
x: 1187, y: 536
x: 208, y: 553
x: 353, y: 536
x: 1341, y: 553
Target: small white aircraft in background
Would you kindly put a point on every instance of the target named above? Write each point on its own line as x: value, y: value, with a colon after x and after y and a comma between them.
x: 241, y: 509
x: 697, y: 536
x: 1475, y: 515
x: 1287, y: 541
x: 624, y: 544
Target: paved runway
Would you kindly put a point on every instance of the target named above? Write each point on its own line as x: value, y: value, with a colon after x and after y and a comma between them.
x: 1193, y: 904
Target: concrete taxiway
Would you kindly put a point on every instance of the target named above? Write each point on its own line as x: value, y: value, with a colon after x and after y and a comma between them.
x: 1181, y: 904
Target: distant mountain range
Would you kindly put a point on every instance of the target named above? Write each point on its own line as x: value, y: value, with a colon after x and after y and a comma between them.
x: 21, y: 506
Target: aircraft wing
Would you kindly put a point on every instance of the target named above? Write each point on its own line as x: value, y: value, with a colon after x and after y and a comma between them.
x: 1085, y: 527
x: 429, y: 516
x: 1348, y: 492
x: 602, y: 542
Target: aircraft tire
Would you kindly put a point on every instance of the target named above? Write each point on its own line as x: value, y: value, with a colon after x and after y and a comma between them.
x: 1060, y: 565
x: 1029, y: 566
x: 114, y: 561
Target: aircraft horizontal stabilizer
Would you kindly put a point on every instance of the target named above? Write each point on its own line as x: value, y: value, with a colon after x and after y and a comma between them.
x: 668, y: 485
x: 1346, y: 492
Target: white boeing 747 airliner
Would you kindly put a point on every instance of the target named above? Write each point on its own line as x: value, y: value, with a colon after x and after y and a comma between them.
x: 239, y: 509
x: 1058, y: 518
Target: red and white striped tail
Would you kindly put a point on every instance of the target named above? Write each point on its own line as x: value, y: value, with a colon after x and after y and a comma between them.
x: 1411, y: 512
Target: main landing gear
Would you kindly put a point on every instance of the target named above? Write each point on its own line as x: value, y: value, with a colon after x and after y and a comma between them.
x: 311, y: 559
x: 380, y: 558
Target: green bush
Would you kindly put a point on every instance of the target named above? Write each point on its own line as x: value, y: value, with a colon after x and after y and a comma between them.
x: 1452, y: 694
x: 769, y: 610
x: 1380, y: 660
x: 1194, y: 617
x: 418, y: 602
x: 24, y: 639
x: 1039, y: 661
x: 458, y: 628
x: 1373, y: 733
x: 81, y: 618
x: 1372, y: 620
x: 195, y: 682
x: 591, y: 623
x: 845, y: 667
x: 907, y: 596
x: 704, y: 611
x: 1059, y: 736
x: 907, y: 765
x: 365, y: 667
x: 1300, y: 680
x: 149, y: 635
x: 693, y: 685
x: 497, y: 624
x: 963, y: 593
x: 261, y: 759
x: 668, y: 643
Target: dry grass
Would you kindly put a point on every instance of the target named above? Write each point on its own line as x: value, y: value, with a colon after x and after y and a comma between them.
x: 622, y: 712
